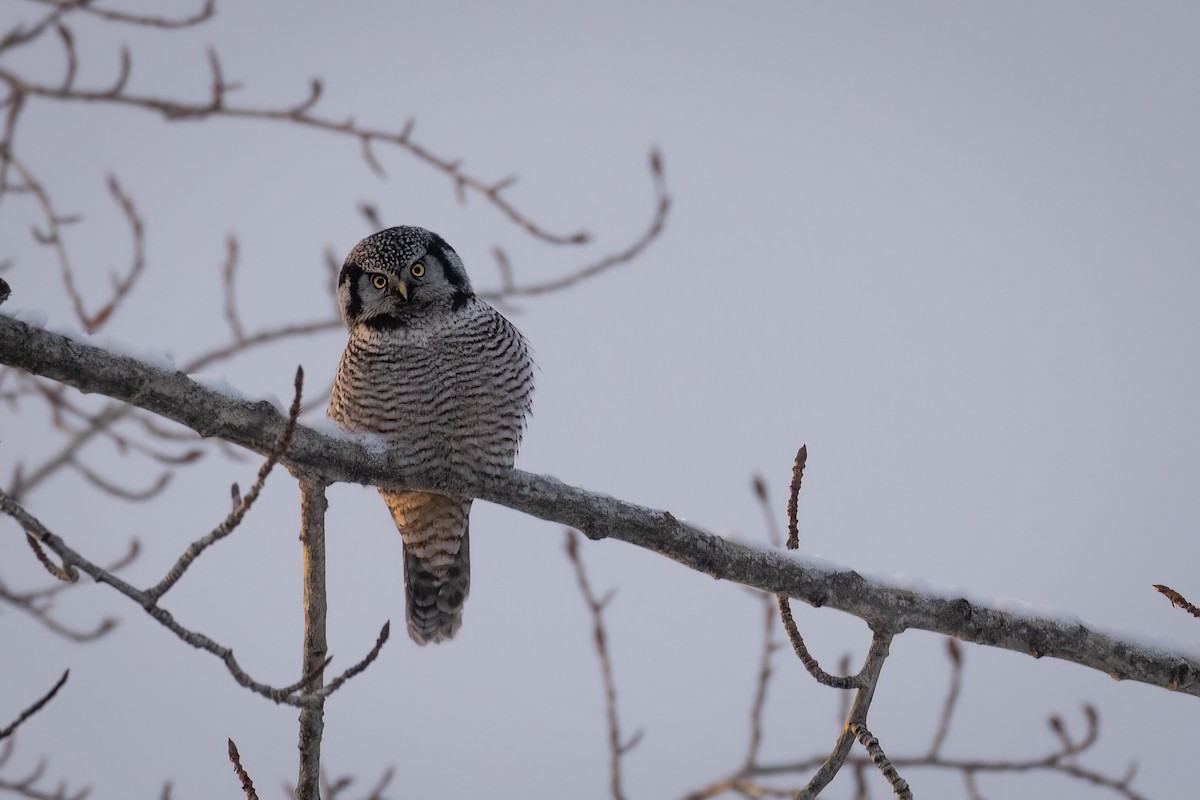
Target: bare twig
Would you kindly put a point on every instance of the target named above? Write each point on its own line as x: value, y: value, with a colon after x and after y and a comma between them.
x: 95, y: 479
x: 764, y: 678
x: 123, y: 284
x: 243, y: 778
x: 1177, y: 600
x: 801, y: 649
x: 1060, y: 761
x: 770, y: 645
x: 616, y: 746
x: 27, y: 786
x: 793, y: 541
x: 875, y: 751
x: 41, y: 613
x: 34, y: 531
x: 18, y: 35
x: 301, y: 115
x: 334, y: 684
x: 333, y: 790
x: 785, y: 603
x: 73, y: 561
x: 228, y: 275
x: 68, y: 42
x: 56, y: 396
x: 239, y: 511
x: 624, y: 256
x: 205, y: 13
x: 376, y: 792
x: 51, y: 236
x: 38, y: 602
x: 36, y: 707
x: 866, y: 680
x: 954, y: 652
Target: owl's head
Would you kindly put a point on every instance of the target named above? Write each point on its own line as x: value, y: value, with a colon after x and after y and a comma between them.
x: 399, y: 275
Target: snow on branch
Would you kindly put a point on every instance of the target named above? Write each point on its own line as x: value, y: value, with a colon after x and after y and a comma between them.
x: 258, y: 426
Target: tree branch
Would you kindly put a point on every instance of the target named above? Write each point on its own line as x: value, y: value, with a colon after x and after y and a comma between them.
x: 36, y: 707
x: 257, y: 426
x: 312, y: 718
x: 617, y: 747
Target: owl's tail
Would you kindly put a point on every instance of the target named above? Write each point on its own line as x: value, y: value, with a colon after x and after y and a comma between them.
x: 437, y: 561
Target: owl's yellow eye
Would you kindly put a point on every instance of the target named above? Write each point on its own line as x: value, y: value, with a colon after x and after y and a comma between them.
x: 417, y: 269
x: 379, y: 282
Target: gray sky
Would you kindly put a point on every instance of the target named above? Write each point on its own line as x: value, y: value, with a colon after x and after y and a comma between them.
x: 950, y: 246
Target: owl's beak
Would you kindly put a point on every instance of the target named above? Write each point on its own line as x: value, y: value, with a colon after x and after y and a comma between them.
x: 402, y: 289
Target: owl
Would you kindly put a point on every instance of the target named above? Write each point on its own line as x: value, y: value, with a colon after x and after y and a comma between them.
x: 431, y: 365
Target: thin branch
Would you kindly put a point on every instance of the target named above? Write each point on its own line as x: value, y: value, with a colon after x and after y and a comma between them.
x: 1177, y: 600
x: 300, y: 114
x: 26, y: 786
x: 228, y: 276
x: 866, y: 681
x: 56, y: 396
x: 130, y: 555
x: 616, y: 746
x: 624, y: 256
x: 29, y: 603
x: 36, y: 707
x: 785, y: 603
x: 205, y: 13
x: 122, y: 284
x: 337, y: 682
x: 801, y: 649
x: 243, y: 778
x: 230, y: 523
x: 793, y: 542
x: 135, y: 495
x: 52, y: 236
x: 73, y: 561
x: 1069, y: 746
x: 954, y: 652
x: 875, y: 751
x: 376, y: 792
x: 1059, y: 761
x: 19, y: 36
x: 1055, y: 762
x: 758, y: 705
x: 764, y: 678
x: 68, y: 42
x: 34, y: 531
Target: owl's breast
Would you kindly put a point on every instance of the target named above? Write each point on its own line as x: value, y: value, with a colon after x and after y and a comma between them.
x: 387, y: 383
x: 459, y: 393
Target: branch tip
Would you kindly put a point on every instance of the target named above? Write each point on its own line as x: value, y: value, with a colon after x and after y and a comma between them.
x: 243, y: 777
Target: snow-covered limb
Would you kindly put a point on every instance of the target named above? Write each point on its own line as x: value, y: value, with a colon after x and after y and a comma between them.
x: 257, y: 425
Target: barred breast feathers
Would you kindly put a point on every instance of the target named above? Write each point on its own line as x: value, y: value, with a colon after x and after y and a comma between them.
x: 461, y: 382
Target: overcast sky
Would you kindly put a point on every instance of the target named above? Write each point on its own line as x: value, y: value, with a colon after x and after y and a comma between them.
x: 952, y: 247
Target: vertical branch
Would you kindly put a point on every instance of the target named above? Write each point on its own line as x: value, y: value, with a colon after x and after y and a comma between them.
x: 954, y: 650
x: 312, y: 720
x: 616, y: 746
